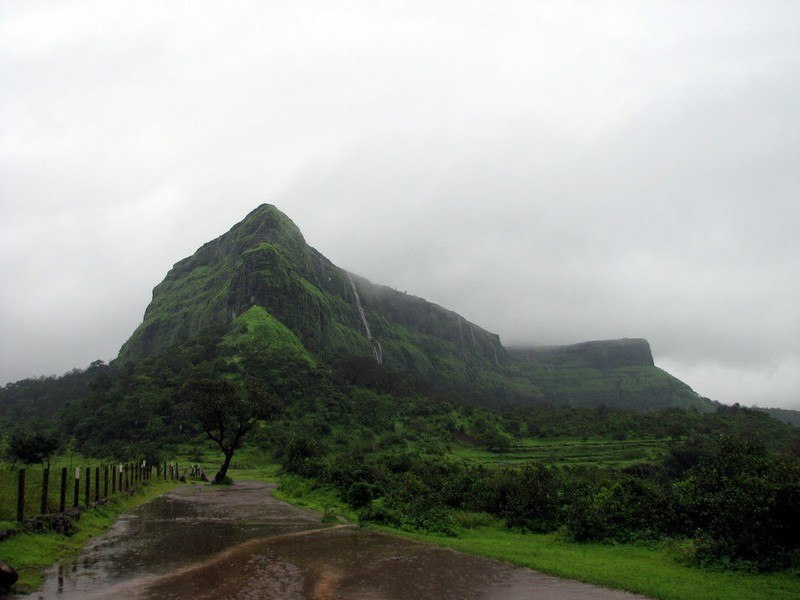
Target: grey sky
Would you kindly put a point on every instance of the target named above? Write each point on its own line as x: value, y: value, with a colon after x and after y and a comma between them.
x: 555, y: 172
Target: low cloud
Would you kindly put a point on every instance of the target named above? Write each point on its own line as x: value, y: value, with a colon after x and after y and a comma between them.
x: 553, y: 173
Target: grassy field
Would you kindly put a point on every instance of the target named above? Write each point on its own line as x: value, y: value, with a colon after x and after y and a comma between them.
x: 572, y: 452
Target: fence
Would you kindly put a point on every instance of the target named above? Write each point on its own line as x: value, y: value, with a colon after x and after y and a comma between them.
x: 44, y: 490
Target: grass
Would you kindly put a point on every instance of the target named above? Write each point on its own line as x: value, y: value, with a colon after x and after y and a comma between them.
x: 304, y: 493
x: 651, y: 569
x: 32, y: 553
x: 572, y: 452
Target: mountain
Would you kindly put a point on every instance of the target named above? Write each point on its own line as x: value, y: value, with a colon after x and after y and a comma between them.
x: 615, y: 373
x: 264, y: 263
x: 263, y: 280
x: 782, y: 414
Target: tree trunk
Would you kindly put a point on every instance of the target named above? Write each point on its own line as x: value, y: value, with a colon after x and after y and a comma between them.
x: 223, y: 470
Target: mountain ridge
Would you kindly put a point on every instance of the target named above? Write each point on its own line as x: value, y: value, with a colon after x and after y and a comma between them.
x: 264, y: 261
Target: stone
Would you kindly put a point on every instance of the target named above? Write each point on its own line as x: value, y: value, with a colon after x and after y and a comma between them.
x: 8, y: 576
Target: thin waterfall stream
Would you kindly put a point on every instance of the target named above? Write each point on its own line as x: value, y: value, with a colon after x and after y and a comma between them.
x: 377, y: 352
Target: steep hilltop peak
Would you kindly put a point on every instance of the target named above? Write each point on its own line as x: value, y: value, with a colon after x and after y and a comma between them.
x: 267, y: 222
x: 264, y: 261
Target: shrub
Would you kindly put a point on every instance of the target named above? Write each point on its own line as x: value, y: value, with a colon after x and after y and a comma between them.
x: 743, y: 505
x: 623, y: 510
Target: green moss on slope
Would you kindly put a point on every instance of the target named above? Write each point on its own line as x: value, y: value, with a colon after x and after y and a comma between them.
x: 256, y: 330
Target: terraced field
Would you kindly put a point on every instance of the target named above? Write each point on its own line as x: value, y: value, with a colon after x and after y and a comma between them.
x: 573, y: 452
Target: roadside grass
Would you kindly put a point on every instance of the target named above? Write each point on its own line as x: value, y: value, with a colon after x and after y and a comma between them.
x: 649, y: 569
x: 305, y: 493
x: 653, y: 569
x: 32, y: 553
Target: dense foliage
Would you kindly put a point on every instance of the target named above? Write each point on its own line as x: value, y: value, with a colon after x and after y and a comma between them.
x: 728, y: 481
x: 740, y: 502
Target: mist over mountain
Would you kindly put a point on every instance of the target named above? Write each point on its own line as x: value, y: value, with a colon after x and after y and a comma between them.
x: 262, y: 269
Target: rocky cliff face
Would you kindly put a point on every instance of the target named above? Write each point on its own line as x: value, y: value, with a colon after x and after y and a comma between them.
x: 264, y: 261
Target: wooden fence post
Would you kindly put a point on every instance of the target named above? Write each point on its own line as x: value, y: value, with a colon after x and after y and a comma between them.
x: 88, y: 483
x: 77, y: 485
x: 45, y: 489
x: 21, y: 495
x: 62, y: 504
x: 105, y: 481
x: 96, y: 484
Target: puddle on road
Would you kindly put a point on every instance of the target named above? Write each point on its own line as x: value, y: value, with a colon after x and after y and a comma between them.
x: 239, y: 542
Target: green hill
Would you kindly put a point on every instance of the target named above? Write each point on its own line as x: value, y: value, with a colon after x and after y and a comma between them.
x: 614, y: 373
x: 264, y: 263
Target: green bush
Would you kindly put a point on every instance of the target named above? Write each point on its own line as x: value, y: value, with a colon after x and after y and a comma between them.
x: 529, y: 498
x: 742, y: 504
x: 623, y: 510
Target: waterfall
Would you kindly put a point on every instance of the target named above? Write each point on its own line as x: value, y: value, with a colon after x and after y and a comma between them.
x: 376, y: 347
x: 461, y: 337
x: 474, y: 343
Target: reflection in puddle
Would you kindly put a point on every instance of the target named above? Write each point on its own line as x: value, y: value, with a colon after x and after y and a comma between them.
x: 239, y: 542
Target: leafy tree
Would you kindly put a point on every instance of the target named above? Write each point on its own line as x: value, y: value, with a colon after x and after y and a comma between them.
x: 31, y: 448
x: 227, y: 410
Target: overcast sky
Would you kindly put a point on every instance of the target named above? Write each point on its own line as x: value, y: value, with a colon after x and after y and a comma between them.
x: 554, y: 171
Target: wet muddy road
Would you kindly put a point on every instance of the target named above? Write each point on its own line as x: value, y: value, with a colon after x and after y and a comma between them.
x: 239, y: 542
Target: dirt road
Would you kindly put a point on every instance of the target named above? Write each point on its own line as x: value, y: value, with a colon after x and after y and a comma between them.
x: 239, y: 542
